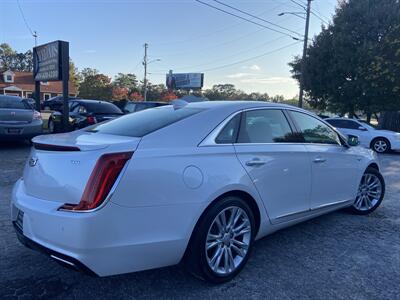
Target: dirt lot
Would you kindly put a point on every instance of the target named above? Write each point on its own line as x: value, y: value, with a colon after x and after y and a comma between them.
x: 337, y: 256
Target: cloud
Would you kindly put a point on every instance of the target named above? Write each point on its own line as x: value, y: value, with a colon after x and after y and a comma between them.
x: 252, y: 67
x: 268, y: 80
x: 240, y: 75
x: 89, y: 51
x: 255, y: 68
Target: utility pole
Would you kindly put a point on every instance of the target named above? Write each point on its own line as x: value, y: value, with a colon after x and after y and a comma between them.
x: 35, y: 36
x: 303, y: 61
x: 145, y: 62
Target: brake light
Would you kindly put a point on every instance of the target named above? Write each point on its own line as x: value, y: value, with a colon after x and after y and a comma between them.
x: 102, y: 179
x: 91, y: 120
x: 36, y: 115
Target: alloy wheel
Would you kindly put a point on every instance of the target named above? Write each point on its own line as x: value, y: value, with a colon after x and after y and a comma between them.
x: 369, y: 192
x: 380, y: 146
x: 228, y: 240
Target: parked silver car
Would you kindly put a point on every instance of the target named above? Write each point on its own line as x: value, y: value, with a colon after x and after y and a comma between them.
x: 18, y: 120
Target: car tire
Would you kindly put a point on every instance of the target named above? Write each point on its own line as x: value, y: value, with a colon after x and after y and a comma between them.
x: 219, y: 250
x: 51, y: 126
x: 370, y: 192
x: 380, y: 145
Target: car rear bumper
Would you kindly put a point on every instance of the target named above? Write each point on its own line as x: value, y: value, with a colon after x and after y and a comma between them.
x: 63, y: 259
x: 13, y: 131
x: 112, y: 240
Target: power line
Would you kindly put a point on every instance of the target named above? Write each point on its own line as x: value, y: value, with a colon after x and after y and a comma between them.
x: 23, y: 17
x: 318, y: 17
x: 250, y: 58
x: 255, y: 17
x: 299, y: 4
x: 248, y: 20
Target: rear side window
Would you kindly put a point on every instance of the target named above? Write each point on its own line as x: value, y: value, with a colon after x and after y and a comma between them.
x: 102, y: 108
x: 265, y: 126
x: 229, y: 133
x: 13, y: 103
x: 144, y: 122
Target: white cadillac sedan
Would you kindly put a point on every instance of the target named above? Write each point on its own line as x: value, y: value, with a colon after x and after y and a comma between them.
x: 380, y: 141
x: 195, y: 182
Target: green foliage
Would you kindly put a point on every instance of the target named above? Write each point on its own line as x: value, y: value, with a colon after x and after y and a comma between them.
x: 15, y: 61
x: 95, y: 85
x: 127, y: 81
x: 354, y: 63
x: 229, y: 92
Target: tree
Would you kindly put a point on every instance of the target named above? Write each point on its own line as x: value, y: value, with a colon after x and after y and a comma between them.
x: 135, y: 96
x: 128, y: 81
x: 168, y: 96
x: 353, y: 64
x: 119, y: 93
x: 15, y: 61
x: 95, y: 85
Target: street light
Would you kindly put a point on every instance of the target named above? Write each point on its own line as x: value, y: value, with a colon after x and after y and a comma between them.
x: 297, y: 14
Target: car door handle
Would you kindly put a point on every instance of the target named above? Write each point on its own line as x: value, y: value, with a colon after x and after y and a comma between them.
x: 255, y: 162
x: 319, y: 160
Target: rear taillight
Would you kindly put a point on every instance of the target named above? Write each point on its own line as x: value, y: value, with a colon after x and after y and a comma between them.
x: 37, y: 115
x: 91, y: 120
x: 100, y: 182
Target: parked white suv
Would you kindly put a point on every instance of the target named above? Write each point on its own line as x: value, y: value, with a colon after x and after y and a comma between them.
x: 379, y: 140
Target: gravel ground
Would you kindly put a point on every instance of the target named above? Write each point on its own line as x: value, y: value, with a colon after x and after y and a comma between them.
x: 336, y: 256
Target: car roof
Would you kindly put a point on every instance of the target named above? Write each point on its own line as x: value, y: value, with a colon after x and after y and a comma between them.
x: 346, y: 119
x: 238, y: 105
x: 88, y: 101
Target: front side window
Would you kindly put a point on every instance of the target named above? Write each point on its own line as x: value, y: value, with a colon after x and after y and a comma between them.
x: 313, y: 130
x: 265, y: 126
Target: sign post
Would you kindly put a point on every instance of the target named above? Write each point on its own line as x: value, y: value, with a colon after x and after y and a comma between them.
x: 51, y: 63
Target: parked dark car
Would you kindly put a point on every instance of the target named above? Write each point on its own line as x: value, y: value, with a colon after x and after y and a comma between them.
x: 55, y: 103
x: 133, y: 106
x: 83, y: 113
x: 18, y: 119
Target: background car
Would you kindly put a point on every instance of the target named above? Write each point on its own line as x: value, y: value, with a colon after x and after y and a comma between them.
x: 18, y: 120
x: 83, y: 113
x: 380, y: 141
x: 55, y: 103
x: 226, y: 173
x: 133, y: 106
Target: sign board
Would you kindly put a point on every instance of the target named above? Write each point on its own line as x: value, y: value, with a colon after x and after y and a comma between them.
x: 50, y: 61
x: 188, y: 81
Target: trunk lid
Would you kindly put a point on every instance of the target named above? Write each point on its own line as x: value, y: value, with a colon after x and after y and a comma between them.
x: 15, y: 116
x: 61, y: 176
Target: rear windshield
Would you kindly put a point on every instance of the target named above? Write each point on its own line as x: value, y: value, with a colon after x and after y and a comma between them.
x: 14, y: 103
x: 144, y: 122
x: 102, y: 108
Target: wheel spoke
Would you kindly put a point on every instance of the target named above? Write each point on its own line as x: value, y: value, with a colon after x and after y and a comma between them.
x: 226, y: 260
x: 230, y: 259
x: 216, y: 259
x: 238, y: 250
x: 212, y: 244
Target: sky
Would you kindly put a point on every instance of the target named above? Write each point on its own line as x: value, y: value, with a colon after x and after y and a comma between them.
x: 185, y: 35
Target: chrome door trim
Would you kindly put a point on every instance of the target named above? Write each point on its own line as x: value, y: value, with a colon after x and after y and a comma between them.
x: 297, y: 215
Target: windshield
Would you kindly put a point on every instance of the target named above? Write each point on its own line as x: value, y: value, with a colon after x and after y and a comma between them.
x: 103, y: 108
x: 14, y: 103
x: 145, y: 121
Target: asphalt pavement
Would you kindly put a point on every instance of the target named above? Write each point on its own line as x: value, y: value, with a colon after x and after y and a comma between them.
x: 336, y: 256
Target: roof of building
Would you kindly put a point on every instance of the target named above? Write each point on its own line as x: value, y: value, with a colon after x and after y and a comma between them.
x: 24, y: 81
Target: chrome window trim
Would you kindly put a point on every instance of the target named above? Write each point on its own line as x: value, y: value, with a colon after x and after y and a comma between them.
x: 209, y: 140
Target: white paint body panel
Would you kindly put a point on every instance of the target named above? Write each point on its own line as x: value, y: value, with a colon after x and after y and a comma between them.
x: 156, y: 202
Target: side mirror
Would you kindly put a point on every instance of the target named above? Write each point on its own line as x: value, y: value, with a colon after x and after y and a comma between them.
x: 362, y: 128
x: 352, y: 140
